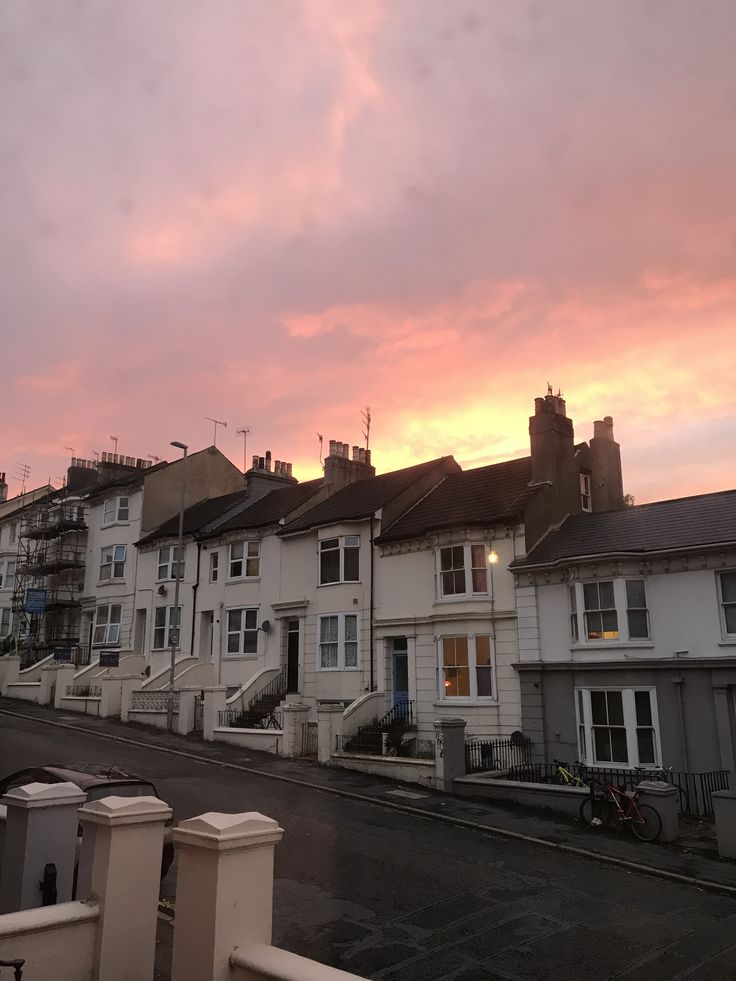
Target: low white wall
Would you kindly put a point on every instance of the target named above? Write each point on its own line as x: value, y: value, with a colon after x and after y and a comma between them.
x: 266, y: 740
x: 76, y: 703
x: 393, y: 767
x: 9, y: 668
x: 157, y: 719
x: 55, y: 941
x: 33, y: 673
x: 565, y: 800
x: 261, y: 962
x: 363, y: 710
x: 29, y: 691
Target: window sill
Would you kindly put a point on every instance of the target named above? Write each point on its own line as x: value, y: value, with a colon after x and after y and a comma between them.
x: 463, y: 598
x: 113, y: 524
x: 613, y: 645
x: 728, y: 642
x: 240, y: 657
x: 333, y: 670
x: 110, y: 582
x: 236, y: 579
x: 103, y: 644
x: 479, y: 702
x: 340, y: 582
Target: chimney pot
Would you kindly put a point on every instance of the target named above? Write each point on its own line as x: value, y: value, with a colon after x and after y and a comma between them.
x: 288, y: 470
x: 332, y: 448
x: 261, y: 463
x: 356, y: 454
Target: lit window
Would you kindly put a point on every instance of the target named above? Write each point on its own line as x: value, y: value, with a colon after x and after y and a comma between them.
x: 169, y: 566
x: 339, y: 560
x: 586, y: 501
x: 165, y: 623
x: 601, y: 619
x: 462, y: 566
x: 618, y: 726
x: 466, y: 669
x: 107, y: 624
x: 612, y: 610
x: 112, y: 563
x: 338, y: 642
x: 245, y: 560
x: 242, y: 631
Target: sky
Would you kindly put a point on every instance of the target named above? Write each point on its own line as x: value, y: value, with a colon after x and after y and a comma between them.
x: 276, y: 213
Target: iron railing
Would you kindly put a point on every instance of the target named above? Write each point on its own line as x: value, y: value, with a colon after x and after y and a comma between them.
x: 482, y: 755
x: 694, y: 790
x: 83, y: 691
x: 412, y: 749
x: 198, y: 725
x: 154, y: 701
x: 236, y: 719
x: 402, y: 712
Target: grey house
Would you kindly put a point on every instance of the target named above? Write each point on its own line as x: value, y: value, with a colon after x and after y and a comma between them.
x: 627, y: 624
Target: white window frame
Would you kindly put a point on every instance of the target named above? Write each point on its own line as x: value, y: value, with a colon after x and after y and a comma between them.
x: 340, y: 642
x: 110, y: 557
x: 722, y: 604
x: 473, y: 697
x: 586, y: 499
x: 119, y: 513
x: 171, y: 622
x: 167, y: 558
x: 242, y: 631
x: 344, y: 543
x: 7, y: 574
x: 214, y: 566
x: 6, y: 628
x: 250, y: 550
x: 468, y: 569
x: 577, y: 611
x: 107, y: 626
x: 13, y: 533
x: 584, y: 719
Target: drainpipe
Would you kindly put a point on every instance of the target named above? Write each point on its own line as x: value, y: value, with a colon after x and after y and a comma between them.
x: 373, y: 681
x: 220, y: 610
x: 678, y: 682
x: 195, y: 587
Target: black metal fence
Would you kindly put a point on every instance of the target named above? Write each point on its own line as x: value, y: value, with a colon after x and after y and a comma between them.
x: 694, y: 790
x: 371, y: 743
x: 482, y: 755
x: 238, y: 719
x: 198, y: 725
x: 83, y: 691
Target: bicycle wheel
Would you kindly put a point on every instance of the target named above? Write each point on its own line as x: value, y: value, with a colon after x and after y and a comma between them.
x: 594, y: 809
x: 649, y: 827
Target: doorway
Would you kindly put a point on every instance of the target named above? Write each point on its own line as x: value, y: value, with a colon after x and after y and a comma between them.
x: 292, y: 656
x: 400, y: 670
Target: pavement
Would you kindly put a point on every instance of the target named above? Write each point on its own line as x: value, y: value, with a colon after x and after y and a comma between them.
x: 396, y: 882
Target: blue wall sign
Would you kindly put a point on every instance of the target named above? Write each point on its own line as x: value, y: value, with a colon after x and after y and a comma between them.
x: 35, y: 601
x: 63, y: 654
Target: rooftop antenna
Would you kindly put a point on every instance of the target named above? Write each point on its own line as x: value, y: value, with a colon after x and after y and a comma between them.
x: 71, y: 450
x: 243, y: 431
x: 115, y: 441
x: 366, y: 417
x: 321, y: 439
x: 153, y: 458
x: 549, y: 389
x: 22, y: 473
x: 96, y: 455
x: 217, y: 422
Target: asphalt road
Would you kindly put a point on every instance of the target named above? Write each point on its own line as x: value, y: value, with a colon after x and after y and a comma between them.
x: 392, y: 896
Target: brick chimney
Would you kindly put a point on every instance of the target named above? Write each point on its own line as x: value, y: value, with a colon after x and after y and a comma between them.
x: 341, y: 470
x: 3, y: 488
x: 553, y: 465
x: 607, y: 486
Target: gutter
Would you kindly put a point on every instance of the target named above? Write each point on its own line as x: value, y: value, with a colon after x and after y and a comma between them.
x: 605, y: 556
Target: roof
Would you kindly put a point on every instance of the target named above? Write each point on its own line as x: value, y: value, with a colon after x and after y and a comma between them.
x: 706, y: 520
x: 363, y: 498
x: 269, y: 510
x: 197, y: 515
x: 472, y: 498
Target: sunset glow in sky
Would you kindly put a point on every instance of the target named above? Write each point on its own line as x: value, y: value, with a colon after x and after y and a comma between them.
x: 277, y: 212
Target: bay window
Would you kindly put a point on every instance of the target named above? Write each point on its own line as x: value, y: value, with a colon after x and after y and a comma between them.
x: 166, y: 621
x: 242, y: 631
x: 107, y: 624
x: 463, y: 570
x: 169, y: 566
x: 112, y: 563
x: 727, y: 582
x: 618, y: 726
x: 7, y: 574
x: 466, y: 667
x: 609, y: 610
x: 116, y: 509
x: 245, y: 560
x: 338, y: 642
x: 339, y: 560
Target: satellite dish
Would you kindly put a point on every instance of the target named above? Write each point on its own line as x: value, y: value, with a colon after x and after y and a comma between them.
x: 266, y: 626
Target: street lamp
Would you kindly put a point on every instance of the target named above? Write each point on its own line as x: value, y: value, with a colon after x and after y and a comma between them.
x: 174, y: 636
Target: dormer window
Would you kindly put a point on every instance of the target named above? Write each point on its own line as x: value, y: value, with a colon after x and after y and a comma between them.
x: 586, y: 501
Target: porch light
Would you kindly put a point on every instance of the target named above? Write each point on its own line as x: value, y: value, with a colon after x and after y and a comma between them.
x: 493, y: 557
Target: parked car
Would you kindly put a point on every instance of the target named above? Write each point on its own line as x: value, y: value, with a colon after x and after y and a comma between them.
x: 97, y: 780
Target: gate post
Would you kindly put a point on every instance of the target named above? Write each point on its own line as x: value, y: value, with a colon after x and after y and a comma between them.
x: 187, y: 700
x: 295, y: 714
x: 449, y: 752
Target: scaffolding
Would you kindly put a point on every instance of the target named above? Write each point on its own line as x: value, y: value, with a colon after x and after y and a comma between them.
x: 51, y: 556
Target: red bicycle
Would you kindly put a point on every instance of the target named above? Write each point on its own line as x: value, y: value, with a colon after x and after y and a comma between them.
x: 601, y: 807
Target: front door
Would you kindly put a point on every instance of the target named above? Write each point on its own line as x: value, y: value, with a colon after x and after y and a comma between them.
x: 400, y: 670
x: 292, y: 656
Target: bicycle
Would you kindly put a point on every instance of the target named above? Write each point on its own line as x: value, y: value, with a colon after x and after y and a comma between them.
x: 643, y: 820
x: 562, y: 776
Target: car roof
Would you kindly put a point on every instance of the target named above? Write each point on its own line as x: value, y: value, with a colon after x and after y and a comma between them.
x: 86, y: 775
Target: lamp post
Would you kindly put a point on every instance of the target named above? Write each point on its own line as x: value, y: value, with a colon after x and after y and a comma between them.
x: 175, y: 633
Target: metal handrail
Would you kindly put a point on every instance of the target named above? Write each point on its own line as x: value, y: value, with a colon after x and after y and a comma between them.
x: 275, y: 687
x: 402, y: 711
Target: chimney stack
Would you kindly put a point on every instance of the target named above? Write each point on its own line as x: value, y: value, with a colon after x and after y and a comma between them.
x: 3, y: 488
x: 268, y: 460
x: 607, y: 485
x: 341, y: 470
